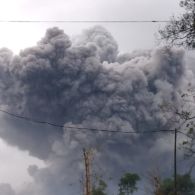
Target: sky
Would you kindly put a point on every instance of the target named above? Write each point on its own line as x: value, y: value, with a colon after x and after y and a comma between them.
x: 14, y: 157
x: 129, y: 36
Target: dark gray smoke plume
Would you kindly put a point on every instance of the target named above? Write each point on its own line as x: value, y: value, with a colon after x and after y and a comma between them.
x: 85, y: 82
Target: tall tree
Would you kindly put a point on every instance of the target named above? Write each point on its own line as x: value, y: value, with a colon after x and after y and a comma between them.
x: 153, y: 185
x: 181, y: 116
x: 100, y: 188
x: 128, y: 183
x: 181, y: 30
x: 186, y: 185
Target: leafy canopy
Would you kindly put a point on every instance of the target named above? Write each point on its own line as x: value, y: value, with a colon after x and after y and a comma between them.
x: 128, y: 183
x: 185, y: 185
x: 180, y: 31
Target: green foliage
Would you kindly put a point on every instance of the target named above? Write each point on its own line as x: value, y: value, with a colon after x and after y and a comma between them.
x: 100, y: 189
x: 128, y: 183
x: 185, y: 185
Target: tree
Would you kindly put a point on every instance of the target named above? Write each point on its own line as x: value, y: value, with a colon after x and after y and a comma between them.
x: 181, y: 116
x: 100, y: 189
x: 181, y: 30
x: 153, y: 182
x: 186, y: 185
x: 128, y: 183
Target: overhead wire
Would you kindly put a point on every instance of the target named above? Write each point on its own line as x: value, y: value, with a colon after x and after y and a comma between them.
x: 74, y: 127
x: 28, y: 119
x: 83, y: 128
x: 84, y: 21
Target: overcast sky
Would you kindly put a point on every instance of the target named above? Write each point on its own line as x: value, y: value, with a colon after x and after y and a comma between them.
x: 129, y: 36
x: 17, y: 36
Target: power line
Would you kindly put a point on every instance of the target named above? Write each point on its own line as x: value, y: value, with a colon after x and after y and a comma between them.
x: 84, y: 21
x: 31, y: 119
x: 185, y: 134
x: 109, y: 131
x: 82, y: 128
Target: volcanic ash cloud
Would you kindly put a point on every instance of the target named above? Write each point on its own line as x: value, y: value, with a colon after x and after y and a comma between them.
x: 84, y: 82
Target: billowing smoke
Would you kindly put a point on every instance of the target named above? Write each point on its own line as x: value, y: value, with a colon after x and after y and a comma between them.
x: 86, y: 82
